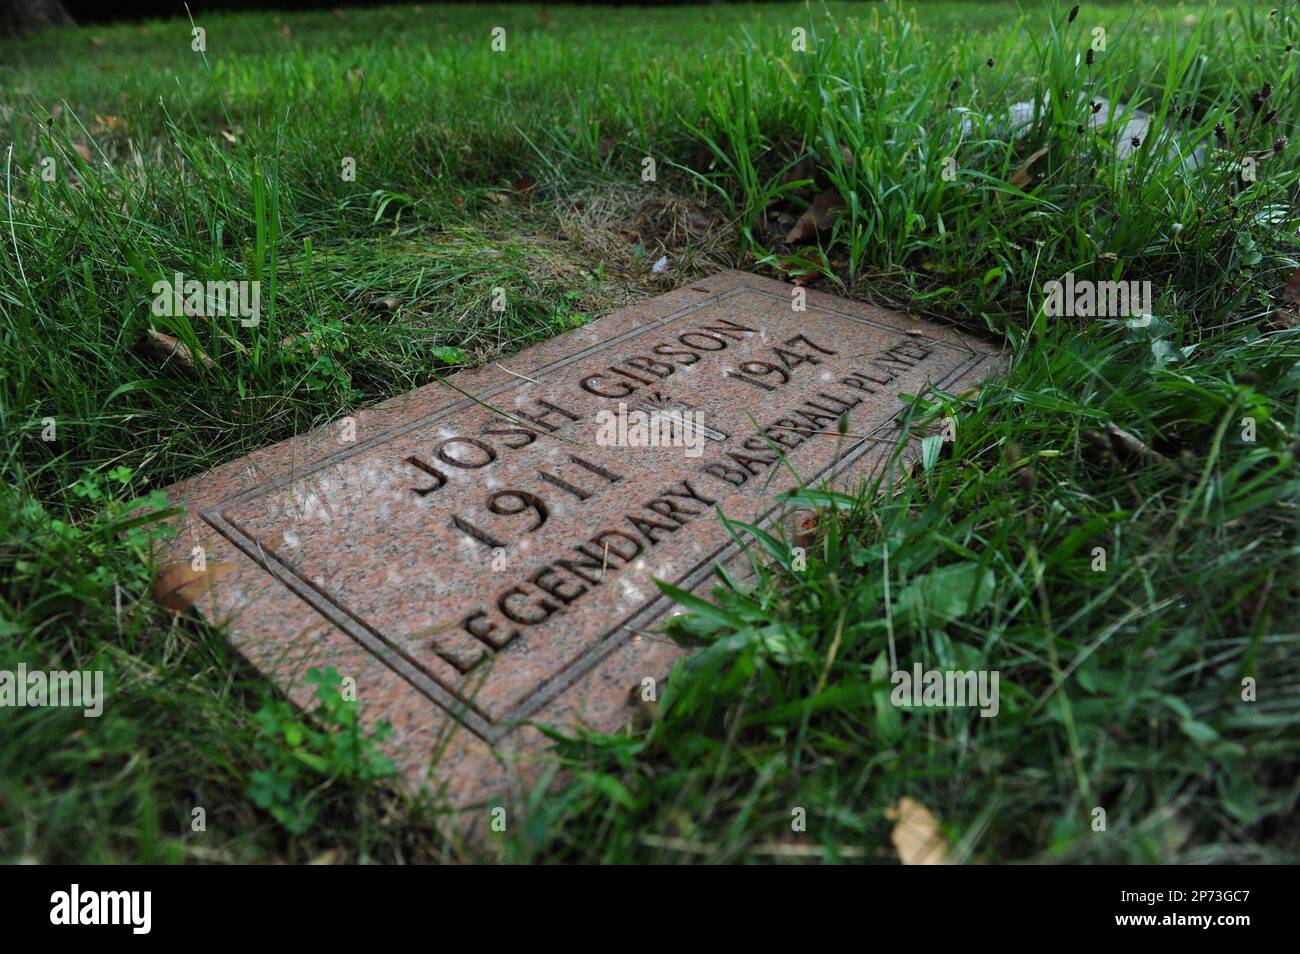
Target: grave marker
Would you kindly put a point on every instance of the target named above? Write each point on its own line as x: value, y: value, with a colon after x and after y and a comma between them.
x: 482, y: 553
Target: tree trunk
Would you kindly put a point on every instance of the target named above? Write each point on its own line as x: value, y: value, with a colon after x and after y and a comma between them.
x: 23, y: 16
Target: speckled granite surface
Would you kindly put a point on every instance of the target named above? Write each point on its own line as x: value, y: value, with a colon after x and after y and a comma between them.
x: 477, y: 556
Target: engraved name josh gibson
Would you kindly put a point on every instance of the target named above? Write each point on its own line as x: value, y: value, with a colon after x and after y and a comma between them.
x: 638, y: 382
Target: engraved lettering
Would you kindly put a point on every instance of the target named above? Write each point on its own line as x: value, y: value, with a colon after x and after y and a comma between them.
x: 507, y: 603
x: 548, y: 409
x: 433, y: 472
x: 489, y: 455
x: 588, y: 385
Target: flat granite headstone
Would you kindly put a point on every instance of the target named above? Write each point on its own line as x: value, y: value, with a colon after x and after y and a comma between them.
x: 478, y: 553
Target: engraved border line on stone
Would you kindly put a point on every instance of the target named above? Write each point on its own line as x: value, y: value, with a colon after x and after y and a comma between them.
x: 345, y: 621
x: 396, y: 658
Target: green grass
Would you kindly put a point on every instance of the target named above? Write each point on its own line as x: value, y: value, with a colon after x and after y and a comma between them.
x: 1121, y: 689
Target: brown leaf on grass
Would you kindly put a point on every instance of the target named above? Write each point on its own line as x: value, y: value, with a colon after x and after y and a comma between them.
x: 168, y: 347
x: 524, y: 185
x: 808, y: 276
x: 177, y: 585
x: 300, y: 343
x: 103, y: 124
x: 916, y: 834
x: 818, y: 216
x: 1288, y: 316
x: 1022, y: 177
x: 1291, y: 290
x: 805, y: 528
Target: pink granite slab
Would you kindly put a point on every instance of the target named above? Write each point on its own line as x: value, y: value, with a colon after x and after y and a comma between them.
x: 477, y: 558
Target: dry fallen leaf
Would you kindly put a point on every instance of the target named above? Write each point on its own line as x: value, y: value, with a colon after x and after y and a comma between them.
x: 1288, y: 316
x: 300, y: 342
x: 805, y: 528
x: 811, y: 275
x: 524, y: 185
x: 103, y: 124
x: 169, y: 347
x: 818, y: 216
x: 1021, y: 177
x: 177, y: 585
x: 916, y: 834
